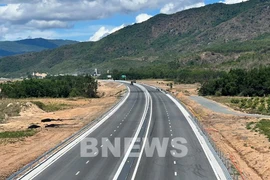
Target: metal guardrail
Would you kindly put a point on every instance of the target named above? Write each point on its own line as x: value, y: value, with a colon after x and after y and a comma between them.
x: 226, y: 161
x: 41, y: 159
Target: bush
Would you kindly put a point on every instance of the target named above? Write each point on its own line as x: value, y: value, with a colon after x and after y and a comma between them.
x: 235, y: 101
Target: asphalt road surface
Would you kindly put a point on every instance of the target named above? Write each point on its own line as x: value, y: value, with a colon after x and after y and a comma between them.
x: 147, y: 112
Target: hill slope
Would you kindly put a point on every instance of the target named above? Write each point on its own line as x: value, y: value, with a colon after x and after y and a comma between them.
x: 215, y: 36
x: 8, y: 48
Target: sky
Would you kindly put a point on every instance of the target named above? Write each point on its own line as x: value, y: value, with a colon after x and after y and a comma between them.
x: 82, y: 20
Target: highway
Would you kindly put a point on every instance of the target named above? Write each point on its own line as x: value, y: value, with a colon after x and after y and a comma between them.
x: 146, y: 112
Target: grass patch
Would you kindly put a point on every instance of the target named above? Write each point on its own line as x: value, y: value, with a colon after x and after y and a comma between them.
x: 51, y: 107
x: 263, y: 127
x: 17, y: 134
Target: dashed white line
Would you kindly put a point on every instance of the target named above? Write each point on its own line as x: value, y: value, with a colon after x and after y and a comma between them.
x: 87, y: 162
x: 171, y: 135
x: 101, y: 145
x: 175, y: 173
x: 171, y: 130
x: 174, y: 162
x: 110, y: 135
x: 114, y: 130
x: 77, y: 173
x: 117, y: 126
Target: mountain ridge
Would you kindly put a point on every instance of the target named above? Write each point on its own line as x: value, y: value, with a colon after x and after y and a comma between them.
x: 216, y: 36
x: 8, y: 48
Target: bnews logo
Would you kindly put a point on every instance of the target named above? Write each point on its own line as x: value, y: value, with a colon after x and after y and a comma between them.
x: 176, y: 147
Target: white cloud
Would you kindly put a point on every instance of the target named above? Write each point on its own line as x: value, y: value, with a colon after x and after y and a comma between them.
x: 234, y: 1
x: 42, y: 24
x: 45, y: 15
x: 142, y: 17
x: 174, y: 7
x: 103, y: 32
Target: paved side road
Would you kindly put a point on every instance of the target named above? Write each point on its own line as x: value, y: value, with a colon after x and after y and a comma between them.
x: 216, y: 107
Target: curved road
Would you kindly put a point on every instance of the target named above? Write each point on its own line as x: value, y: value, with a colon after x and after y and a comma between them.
x: 146, y: 112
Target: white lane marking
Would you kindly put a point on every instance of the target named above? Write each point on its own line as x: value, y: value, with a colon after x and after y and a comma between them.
x: 120, y: 123
x: 106, y: 139
x: 208, y: 153
x: 171, y: 130
x: 114, y: 130
x: 32, y: 173
x: 77, y: 173
x: 147, y: 96
x: 117, y: 127
x: 111, y: 135
x: 95, y: 153
x: 174, y: 162
x: 101, y: 145
x: 171, y: 135
x: 146, y: 135
x: 175, y: 173
x: 87, y: 162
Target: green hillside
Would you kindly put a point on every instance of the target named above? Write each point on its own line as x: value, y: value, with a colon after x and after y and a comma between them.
x: 216, y: 36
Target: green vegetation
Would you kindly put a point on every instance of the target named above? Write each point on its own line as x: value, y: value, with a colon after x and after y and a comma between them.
x: 263, y: 127
x: 51, y: 107
x: 169, y: 71
x: 17, y: 134
x: 224, y: 32
x: 254, y: 82
x: 56, y: 87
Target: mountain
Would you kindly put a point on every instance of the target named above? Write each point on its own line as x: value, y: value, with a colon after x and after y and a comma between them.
x: 216, y: 36
x: 8, y: 48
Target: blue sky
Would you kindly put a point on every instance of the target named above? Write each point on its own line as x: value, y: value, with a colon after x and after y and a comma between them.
x: 81, y: 20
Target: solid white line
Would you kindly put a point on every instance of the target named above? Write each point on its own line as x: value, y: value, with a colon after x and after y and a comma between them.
x: 146, y: 135
x: 208, y: 153
x: 77, y: 173
x: 31, y: 174
x: 147, y: 95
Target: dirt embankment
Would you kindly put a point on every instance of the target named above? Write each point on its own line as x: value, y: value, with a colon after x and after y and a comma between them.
x: 249, y: 150
x: 17, y: 152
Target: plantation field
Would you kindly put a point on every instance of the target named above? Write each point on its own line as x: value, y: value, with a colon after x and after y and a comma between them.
x: 252, y: 105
